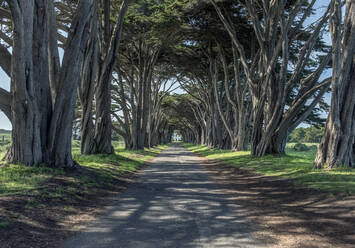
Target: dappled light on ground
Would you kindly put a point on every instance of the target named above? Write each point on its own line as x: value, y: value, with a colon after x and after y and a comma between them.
x: 174, y: 205
x: 41, y: 206
x: 285, y: 214
x: 187, y: 201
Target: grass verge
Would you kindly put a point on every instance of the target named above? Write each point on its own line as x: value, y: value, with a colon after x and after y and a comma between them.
x: 41, y: 207
x: 294, y: 165
x: 95, y: 170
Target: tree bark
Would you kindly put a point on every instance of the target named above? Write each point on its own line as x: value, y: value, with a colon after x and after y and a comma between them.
x: 86, y: 89
x: 41, y: 70
x: 42, y: 122
x: 268, y: 82
x: 294, y: 116
x: 337, y: 146
x: 103, y: 125
x: 26, y: 117
x: 61, y: 126
x: 5, y: 103
x: 5, y: 61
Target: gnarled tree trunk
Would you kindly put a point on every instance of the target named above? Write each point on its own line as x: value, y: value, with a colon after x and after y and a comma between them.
x: 337, y: 146
x: 103, y: 125
x: 86, y: 87
x: 25, y: 114
x: 61, y: 125
x: 41, y: 107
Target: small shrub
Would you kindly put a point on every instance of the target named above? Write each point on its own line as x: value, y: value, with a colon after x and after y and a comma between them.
x: 299, y: 147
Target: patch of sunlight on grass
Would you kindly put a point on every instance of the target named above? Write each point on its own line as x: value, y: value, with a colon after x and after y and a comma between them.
x: 15, y: 179
x: 20, y: 179
x: 108, y: 167
x: 292, y: 144
x: 294, y: 165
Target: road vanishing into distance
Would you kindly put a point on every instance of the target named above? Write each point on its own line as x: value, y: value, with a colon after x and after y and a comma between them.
x: 174, y: 204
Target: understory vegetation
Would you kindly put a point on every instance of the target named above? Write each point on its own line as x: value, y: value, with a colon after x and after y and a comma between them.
x: 294, y: 165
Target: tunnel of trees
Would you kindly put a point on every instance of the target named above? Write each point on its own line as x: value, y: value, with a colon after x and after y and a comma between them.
x: 229, y: 74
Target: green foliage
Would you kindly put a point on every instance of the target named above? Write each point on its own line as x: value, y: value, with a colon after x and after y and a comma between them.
x: 153, y: 19
x: 178, y: 110
x: 307, y: 135
x: 295, y: 165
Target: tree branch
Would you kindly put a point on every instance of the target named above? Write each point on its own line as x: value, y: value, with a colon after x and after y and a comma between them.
x: 5, y: 60
x: 5, y: 103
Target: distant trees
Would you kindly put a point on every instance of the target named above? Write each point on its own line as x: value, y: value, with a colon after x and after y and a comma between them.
x: 179, y: 113
x: 143, y: 75
x: 307, y: 135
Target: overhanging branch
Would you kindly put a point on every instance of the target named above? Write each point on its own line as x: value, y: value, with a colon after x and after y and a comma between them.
x: 5, y: 103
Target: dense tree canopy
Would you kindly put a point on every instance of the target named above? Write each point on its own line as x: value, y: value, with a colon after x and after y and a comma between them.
x: 252, y: 71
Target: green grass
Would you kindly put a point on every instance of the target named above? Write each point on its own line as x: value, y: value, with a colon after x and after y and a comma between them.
x: 293, y: 165
x: 104, y: 169
x: 290, y: 145
x: 108, y: 167
x: 15, y: 179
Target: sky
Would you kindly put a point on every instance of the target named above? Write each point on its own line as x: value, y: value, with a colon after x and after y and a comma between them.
x: 5, y: 84
x: 320, y: 7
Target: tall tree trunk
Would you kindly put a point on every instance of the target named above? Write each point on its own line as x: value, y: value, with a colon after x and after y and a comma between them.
x: 41, y: 70
x: 42, y: 123
x: 139, y: 107
x: 144, y: 113
x: 241, y: 137
x: 257, y: 125
x: 61, y: 125
x: 26, y: 117
x: 86, y: 87
x: 337, y: 146
x: 103, y: 125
